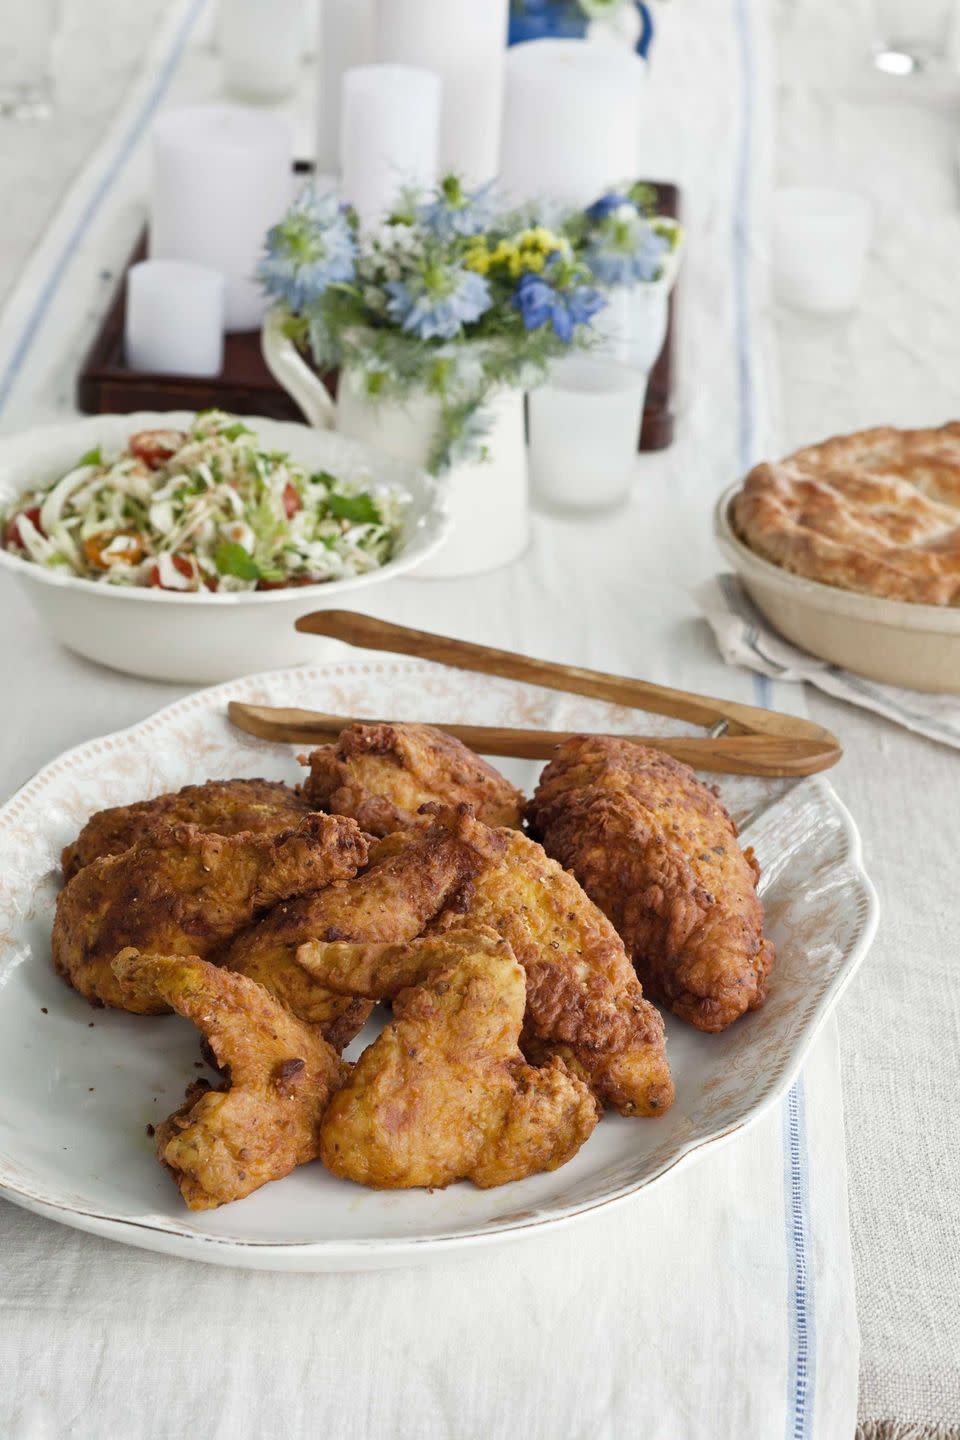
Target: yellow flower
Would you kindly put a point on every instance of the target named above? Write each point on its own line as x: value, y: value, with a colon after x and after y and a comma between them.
x: 478, y: 257
x: 541, y: 240
x: 534, y: 262
x: 506, y: 253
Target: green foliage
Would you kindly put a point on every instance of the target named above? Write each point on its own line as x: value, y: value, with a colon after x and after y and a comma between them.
x: 231, y: 559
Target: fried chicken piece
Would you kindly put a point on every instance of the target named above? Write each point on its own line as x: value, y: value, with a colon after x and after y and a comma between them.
x: 415, y: 874
x: 584, y: 1002
x: 185, y: 891
x: 383, y: 774
x: 657, y: 851
x: 444, y: 1093
x: 228, y: 807
x: 224, y: 1143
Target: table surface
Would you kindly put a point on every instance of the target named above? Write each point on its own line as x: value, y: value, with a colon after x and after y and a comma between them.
x: 895, y: 360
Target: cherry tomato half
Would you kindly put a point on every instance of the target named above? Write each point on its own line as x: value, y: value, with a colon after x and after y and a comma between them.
x: 154, y: 447
x: 291, y: 500
x: 180, y: 563
x: 12, y: 532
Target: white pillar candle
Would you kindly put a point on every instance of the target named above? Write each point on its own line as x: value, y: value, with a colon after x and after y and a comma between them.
x: 221, y: 177
x: 345, y: 41
x: 465, y: 42
x: 262, y: 42
x: 174, y: 318
x: 571, y: 123
x: 388, y: 135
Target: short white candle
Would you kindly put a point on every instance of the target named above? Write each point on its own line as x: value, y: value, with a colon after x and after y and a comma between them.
x: 465, y: 42
x: 262, y: 42
x: 345, y: 41
x: 388, y: 135
x: 222, y: 176
x: 571, y: 124
x: 174, y: 318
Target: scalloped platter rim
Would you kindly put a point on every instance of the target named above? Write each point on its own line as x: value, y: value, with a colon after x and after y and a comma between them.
x: 82, y: 1085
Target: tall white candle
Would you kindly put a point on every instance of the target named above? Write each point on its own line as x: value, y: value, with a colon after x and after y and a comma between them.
x: 221, y: 177
x: 174, y: 318
x: 388, y: 135
x: 345, y: 40
x: 262, y: 43
x: 464, y: 41
x: 571, y: 123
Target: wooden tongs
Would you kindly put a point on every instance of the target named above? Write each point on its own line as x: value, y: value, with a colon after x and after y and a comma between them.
x: 741, y: 739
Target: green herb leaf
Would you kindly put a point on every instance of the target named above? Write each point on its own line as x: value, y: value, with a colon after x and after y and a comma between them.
x: 233, y: 432
x: 323, y: 477
x: 92, y: 457
x: 360, y: 509
x: 232, y: 559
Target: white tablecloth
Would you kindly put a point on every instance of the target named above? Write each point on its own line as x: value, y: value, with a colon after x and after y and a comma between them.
x: 719, y: 1304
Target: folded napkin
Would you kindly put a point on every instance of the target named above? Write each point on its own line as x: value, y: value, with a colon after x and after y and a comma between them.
x: 745, y: 638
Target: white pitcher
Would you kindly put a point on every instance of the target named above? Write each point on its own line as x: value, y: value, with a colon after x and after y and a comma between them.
x: 488, y: 499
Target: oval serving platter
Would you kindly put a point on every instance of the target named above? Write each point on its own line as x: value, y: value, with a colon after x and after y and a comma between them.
x: 81, y: 1086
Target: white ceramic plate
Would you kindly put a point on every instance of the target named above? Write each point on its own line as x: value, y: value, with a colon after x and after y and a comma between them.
x: 203, y: 637
x: 80, y: 1085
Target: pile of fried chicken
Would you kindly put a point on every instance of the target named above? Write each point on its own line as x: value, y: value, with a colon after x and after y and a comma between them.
x: 518, y: 962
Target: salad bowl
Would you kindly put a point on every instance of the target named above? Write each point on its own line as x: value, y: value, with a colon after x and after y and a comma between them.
x: 197, y: 635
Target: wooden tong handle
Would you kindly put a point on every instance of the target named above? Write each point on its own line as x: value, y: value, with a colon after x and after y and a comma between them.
x: 371, y: 634
x: 730, y: 754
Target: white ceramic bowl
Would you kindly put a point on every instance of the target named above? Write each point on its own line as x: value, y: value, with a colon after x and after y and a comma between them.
x: 893, y: 641
x: 203, y: 637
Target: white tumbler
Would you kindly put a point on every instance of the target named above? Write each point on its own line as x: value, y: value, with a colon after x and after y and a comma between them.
x: 583, y: 426
x: 262, y: 43
x: 820, y: 241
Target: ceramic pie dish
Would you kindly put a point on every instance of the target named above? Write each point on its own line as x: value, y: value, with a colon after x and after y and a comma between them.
x: 894, y: 641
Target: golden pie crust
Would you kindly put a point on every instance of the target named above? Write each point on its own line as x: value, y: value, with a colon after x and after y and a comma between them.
x: 877, y: 512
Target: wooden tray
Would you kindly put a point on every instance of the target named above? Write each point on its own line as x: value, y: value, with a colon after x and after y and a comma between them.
x: 245, y: 386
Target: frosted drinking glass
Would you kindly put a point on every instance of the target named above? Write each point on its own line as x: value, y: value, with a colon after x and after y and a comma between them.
x: 584, y: 425
x: 262, y: 42
x: 26, y: 56
x: 820, y: 240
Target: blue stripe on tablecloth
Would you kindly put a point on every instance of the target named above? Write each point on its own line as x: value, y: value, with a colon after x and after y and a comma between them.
x: 130, y: 140
x: 801, y: 1372
x: 803, y: 1353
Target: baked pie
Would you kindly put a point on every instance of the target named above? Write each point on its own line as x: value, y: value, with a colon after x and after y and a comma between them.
x: 877, y: 512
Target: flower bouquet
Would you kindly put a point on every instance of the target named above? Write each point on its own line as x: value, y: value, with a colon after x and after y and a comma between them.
x: 445, y: 299
x: 438, y: 321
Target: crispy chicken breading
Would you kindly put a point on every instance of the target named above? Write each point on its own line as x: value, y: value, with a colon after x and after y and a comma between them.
x: 584, y: 1002
x: 444, y: 1093
x: 185, y: 891
x: 225, y: 1143
x: 657, y: 851
x: 383, y: 774
x: 228, y: 807
x: 413, y: 876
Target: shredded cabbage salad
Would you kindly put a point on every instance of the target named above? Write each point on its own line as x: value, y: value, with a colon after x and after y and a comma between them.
x: 204, y: 510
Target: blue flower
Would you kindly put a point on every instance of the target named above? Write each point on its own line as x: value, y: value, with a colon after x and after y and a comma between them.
x: 541, y: 303
x: 626, y: 251
x: 456, y: 211
x: 606, y: 205
x: 438, y: 300
x: 312, y: 247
